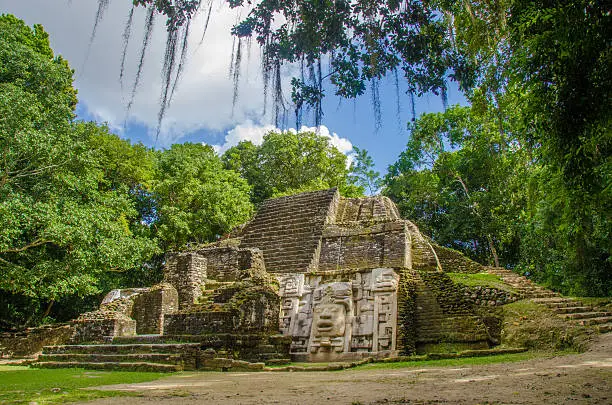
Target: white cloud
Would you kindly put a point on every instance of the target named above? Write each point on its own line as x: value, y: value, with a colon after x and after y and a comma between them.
x: 244, y: 132
x: 250, y: 131
x: 342, y: 144
x: 203, y: 100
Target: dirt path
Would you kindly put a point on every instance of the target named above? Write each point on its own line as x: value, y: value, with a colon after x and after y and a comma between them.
x: 574, y: 379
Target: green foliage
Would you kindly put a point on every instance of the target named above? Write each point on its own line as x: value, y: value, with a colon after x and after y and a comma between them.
x: 471, y: 179
x: 363, y: 41
x: 289, y: 163
x: 25, y: 385
x: 534, y: 326
x: 63, y: 223
x: 363, y: 173
x: 197, y: 200
x: 456, y: 180
x: 562, y: 59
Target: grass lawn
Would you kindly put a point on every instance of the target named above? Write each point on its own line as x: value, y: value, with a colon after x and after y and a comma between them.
x: 467, y: 361
x: 47, y: 386
x: 480, y: 279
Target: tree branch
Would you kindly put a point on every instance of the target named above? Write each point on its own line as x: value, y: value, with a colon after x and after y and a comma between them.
x: 36, y: 243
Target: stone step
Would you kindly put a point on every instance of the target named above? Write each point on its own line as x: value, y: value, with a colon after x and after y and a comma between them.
x: 563, y: 304
x: 283, y: 224
x: 138, y: 348
x: 595, y: 321
x: 556, y: 300
x: 266, y: 348
x: 541, y: 295
x: 321, y: 196
x: 586, y: 315
x: 447, y: 337
x: 295, y: 245
x: 294, y: 225
x: 270, y: 356
x: 266, y: 236
x: 159, y: 358
x: 605, y: 328
x: 571, y: 310
x: 303, y: 210
x: 315, y: 206
x: 138, y: 366
x: 290, y: 259
x: 278, y: 361
x: 285, y: 245
x: 283, y: 241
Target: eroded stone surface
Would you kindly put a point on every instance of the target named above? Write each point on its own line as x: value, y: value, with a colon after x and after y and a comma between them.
x: 331, y: 316
x: 332, y: 275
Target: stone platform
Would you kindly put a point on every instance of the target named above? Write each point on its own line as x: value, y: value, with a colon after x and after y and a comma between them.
x: 312, y: 277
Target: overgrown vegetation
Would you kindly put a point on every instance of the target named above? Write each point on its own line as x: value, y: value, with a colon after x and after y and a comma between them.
x: 23, y: 385
x: 521, y: 177
x: 467, y: 361
x: 479, y: 279
x: 83, y: 211
x: 527, y: 324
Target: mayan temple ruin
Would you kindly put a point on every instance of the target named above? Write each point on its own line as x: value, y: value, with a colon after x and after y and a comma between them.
x: 313, y: 277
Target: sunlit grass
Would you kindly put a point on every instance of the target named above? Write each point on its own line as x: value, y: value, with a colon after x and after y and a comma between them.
x: 464, y: 361
x: 480, y: 280
x: 46, y: 386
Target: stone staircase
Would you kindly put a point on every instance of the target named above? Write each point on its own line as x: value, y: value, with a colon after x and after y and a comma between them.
x: 575, y: 311
x: 127, y: 357
x: 522, y: 285
x: 253, y: 348
x: 569, y: 309
x: 288, y: 230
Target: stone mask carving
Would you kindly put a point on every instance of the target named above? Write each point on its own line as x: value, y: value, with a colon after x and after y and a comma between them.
x: 331, y: 311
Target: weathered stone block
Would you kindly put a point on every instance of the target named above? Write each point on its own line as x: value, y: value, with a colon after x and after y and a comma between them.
x: 150, y: 307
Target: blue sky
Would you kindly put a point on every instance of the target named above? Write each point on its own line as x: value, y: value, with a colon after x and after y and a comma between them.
x: 202, y: 106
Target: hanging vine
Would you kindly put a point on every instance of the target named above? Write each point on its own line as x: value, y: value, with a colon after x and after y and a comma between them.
x: 102, y: 7
x: 149, y: 21
x: 361, y: 41
x: 127, y: 32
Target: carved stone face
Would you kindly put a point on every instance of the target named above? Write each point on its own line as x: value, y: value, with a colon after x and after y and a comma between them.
x: 330, y: 309
x: 329, y: 320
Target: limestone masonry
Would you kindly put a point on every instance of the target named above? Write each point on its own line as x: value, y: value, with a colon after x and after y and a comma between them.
x: 313, y: 277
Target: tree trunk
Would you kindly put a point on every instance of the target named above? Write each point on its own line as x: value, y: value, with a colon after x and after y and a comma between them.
x: 493, y: 251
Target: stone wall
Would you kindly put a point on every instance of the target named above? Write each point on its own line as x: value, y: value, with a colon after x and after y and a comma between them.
x: 488, y: 296
x: 368, y: 209
x: 407, y: 312
x: 364, y: 247
x: 423, y: 254
x: 449, y: 295
x: 150, y: 307
x: 453, y: 261
x: 249, y: 310
x: 185, y: 272
x: 444, y: 316
x: 228, y: 263
x: 31, y: 341
x: 102, y: 326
